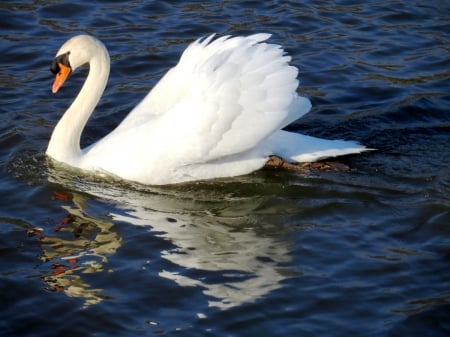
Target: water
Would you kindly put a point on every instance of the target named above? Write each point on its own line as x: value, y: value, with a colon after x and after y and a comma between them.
x: 272, y: 253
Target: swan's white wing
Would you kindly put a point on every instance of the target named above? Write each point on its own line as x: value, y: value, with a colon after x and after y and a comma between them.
x: 224, y: 97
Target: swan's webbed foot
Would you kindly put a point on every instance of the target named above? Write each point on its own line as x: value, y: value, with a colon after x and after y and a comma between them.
x: 275, y: 162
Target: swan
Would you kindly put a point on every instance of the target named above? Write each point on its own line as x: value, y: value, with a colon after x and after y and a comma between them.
x: 218, y: 113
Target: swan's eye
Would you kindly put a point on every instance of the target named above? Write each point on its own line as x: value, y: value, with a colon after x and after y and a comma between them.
x: 63, y: 59
x: 55, y: 67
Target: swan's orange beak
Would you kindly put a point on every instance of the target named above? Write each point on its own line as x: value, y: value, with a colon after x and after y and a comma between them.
x: 61, y: 77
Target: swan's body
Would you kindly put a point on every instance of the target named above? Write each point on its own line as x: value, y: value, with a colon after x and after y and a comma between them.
x: 217, y: 113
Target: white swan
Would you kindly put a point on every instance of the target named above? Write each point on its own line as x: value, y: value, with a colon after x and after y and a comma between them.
x: 217, y: 113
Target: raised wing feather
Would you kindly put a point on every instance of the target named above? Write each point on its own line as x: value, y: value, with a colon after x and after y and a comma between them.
x: 223, y: 97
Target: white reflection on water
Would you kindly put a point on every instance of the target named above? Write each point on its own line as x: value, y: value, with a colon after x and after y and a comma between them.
x: 250, y: 265
x: 215, y: 234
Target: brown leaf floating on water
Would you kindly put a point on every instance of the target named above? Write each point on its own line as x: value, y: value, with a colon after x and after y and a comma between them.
x: 275, y: 162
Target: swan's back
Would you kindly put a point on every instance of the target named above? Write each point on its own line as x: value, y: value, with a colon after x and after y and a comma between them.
x: 219, y: 104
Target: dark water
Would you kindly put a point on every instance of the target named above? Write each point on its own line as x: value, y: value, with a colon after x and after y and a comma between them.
x: 364, y: 253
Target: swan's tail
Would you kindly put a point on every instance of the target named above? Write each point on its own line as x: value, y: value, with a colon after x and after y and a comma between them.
x: 301, y: 148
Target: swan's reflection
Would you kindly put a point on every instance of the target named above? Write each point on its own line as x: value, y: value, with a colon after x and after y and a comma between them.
x: 250, y: 265
x: 217, y: 234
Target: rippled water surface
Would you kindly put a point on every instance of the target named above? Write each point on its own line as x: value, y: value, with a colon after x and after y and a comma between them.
x: 363, y: 253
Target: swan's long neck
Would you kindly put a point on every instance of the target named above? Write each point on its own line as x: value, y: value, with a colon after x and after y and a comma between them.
x: 64, y: 145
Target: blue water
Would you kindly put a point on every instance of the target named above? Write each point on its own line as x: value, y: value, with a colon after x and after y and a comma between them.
x: 274, y: 253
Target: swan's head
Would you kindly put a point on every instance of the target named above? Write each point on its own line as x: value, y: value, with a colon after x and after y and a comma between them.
x: 73, y: 53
